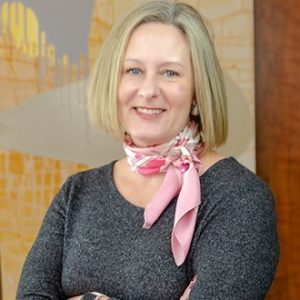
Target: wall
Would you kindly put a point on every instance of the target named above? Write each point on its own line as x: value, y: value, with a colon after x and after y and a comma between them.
x: 277, y: 38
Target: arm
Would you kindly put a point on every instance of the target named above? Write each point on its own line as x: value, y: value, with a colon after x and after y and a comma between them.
x: 41, y: 275
x: 42, y: 272
x: 236, y: 254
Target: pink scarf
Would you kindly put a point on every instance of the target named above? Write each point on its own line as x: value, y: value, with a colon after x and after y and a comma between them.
x: 178, y: 159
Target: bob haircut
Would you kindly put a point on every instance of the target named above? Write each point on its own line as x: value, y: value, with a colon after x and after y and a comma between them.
x: 209, y: 93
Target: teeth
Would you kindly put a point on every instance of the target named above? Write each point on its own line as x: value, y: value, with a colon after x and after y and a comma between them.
x: 149, y: 111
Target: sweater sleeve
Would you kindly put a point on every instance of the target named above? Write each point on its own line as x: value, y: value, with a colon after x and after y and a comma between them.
x: 41, y: 274
x: 236, y: 254
x: 42, y: 271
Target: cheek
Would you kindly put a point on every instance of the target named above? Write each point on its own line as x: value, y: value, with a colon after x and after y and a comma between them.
x: 125, y: 92
x: 185, y: 88
x: 121, y: 91
x: 184, y: 97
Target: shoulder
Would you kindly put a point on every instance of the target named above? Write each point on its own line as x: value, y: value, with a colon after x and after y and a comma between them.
x: 91, y: 177
x: 230, y: 175
x: 92, y: 181
x: 84, y: 189
x: 236, y: 232
x: 236, y: 201
x: 230, y: 184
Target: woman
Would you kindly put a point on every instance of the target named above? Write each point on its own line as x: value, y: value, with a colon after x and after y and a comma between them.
x: 174, y: 219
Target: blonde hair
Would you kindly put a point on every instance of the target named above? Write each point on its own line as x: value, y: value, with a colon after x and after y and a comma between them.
x: 209, y: 85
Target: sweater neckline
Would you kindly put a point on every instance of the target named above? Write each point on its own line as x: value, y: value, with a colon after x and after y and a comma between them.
x: 126, y: 204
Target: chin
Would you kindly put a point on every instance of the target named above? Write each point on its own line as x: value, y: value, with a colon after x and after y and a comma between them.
x: 148, y: 141
x: 144, y: 137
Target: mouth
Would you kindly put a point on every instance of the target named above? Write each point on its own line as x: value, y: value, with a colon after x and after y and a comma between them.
x: 149, y: 111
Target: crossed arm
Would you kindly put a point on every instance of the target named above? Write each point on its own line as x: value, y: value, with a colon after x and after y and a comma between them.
x: 234, y: 254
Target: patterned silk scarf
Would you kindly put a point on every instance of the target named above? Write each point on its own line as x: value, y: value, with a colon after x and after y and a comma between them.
x: 178, y: 158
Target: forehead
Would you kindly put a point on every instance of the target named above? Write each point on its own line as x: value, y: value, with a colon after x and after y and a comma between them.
x: 158, y: 37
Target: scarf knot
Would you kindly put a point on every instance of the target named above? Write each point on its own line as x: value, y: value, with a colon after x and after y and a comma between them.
x: 179, y: 160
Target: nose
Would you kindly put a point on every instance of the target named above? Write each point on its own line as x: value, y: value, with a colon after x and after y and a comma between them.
x: 149, y: 88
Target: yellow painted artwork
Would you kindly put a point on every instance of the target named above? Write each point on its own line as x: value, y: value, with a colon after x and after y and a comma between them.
x: 28, y: 183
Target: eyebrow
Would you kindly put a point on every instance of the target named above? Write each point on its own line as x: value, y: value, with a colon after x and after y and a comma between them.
x: 164, y: 64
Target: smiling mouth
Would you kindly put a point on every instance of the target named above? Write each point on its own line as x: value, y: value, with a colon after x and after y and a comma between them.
x: 149, y: 111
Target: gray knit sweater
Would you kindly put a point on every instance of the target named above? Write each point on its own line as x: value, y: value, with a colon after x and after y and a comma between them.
x: 92, y: 240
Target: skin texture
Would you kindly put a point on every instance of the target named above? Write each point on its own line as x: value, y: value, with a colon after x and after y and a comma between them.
x: 156, y: 88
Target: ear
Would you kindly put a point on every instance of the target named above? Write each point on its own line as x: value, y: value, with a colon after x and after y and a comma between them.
x: 195, y: 109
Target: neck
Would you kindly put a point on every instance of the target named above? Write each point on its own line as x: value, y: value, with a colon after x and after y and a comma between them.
x: 128, y: 183
x: 208, y: 159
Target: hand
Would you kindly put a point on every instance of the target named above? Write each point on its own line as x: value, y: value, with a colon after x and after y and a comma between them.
x: 186, y: 294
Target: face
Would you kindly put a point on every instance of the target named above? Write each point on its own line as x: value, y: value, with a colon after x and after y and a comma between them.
x: 156, y: 87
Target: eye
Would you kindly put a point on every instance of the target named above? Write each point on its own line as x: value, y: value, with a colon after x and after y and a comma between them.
x: 134, y: 71
x: 170, y: 73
